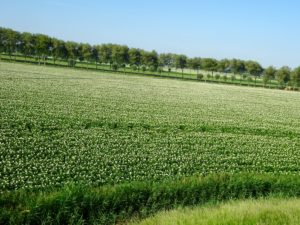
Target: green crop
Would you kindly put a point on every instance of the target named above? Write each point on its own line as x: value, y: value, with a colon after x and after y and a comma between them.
x: 62, y: 125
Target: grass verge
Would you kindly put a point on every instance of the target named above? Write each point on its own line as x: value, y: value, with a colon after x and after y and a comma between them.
x: 118, y: 204
x: 247, y: 212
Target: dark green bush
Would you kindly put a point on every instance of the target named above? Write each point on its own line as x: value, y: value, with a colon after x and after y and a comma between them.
x: 134, y: 67
x: 200, y: 76
x: 114, y: 66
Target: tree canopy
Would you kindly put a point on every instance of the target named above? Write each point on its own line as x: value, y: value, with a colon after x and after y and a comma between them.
x: 42, y: 47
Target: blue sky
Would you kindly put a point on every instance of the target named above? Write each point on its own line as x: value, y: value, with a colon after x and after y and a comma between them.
x: 263, y: 30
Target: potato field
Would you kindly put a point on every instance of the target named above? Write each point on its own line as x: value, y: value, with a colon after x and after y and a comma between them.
x: 60, y: 126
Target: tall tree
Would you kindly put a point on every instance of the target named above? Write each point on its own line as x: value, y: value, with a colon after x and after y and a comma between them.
x: 28, y: 44
x: 269, y: 74
x: 166, y: 60
x: 2, y: 40
x: 283, y: 75
x: 254, y: 68
x: 194, y: 63
x: 237, y: 66
x: 296, y: 77
x: 209, y: 64
x: 135, y: 57
x: 73, y: 52
x: 223, y: 65
x: 58, y: 50
x: 95, y: 55
x: 105, y: 53
x: 181, y: 62
x: 42, y: 46
x: 86, y: 52
x: 10, y: 42
x: 120, y: 56
x: 150, y: 59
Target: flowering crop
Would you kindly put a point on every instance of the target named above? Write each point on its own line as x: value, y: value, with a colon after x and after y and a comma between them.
x: 62, y: 125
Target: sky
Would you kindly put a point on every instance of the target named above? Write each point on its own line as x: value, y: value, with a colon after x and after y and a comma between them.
x: 267, y: 31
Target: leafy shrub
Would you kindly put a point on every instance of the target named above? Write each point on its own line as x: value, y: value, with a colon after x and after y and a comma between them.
x: 217, y: 76
x: 249, y: 78
x: 115, y: 66
x: 133, y: 67
x: 153, y: 68
x: 200, y: 76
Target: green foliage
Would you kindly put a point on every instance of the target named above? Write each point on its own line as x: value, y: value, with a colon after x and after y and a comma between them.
x: 180, y: 62
x: 150, y: 59
x: 295, y: 77
x: 253, y: 68
x: 269, y: 74
x: 166, y: 60
x: 209, y: 64
x: 44, y: 48
x: 237, y: 66
x: 200, y: 76
x: 106, y: 205
x: 271, y: 211
x: 71, y: 62
x: 249, y: 79
x: 134, y: 67
x: 135, y: 57
x: 115, y: 66
x: 152, y: 68
x: 283, y: 75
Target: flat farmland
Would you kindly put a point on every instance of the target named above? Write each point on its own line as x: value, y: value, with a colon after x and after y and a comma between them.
x: 61, y: 126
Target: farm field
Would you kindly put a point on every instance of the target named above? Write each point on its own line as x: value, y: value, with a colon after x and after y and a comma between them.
x: 61, y: 126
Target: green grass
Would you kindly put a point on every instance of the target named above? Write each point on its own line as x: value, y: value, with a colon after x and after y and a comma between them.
x: 77, y: 204
x: 251, y: 212
x: 61, y: 125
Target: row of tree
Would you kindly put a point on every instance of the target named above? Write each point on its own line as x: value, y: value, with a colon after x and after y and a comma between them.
x: 42, y: 47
